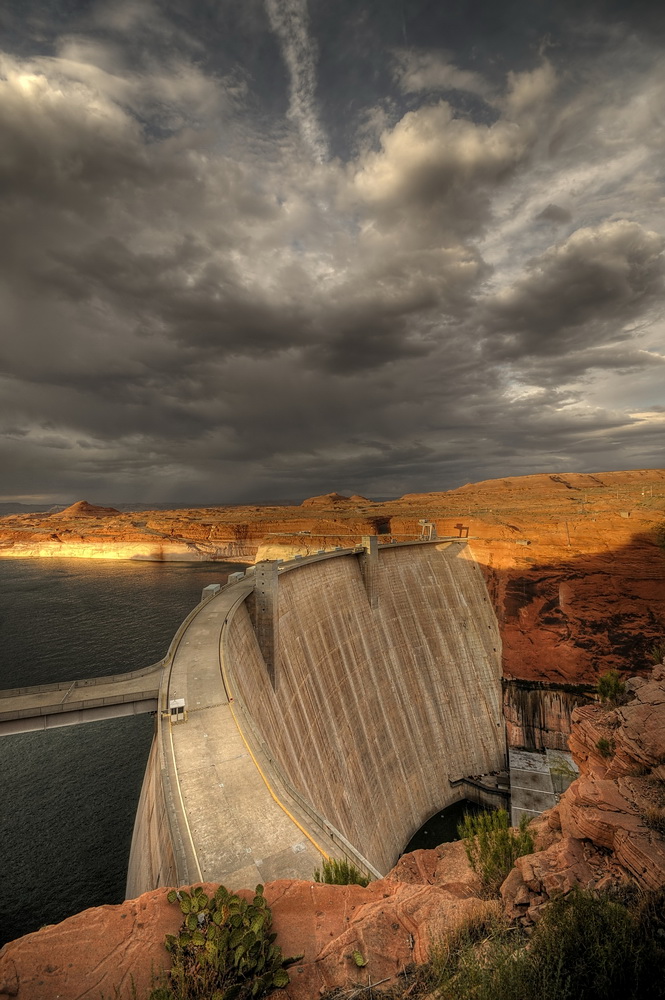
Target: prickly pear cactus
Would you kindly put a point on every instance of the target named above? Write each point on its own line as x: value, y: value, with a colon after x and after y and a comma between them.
x: 224, y: 949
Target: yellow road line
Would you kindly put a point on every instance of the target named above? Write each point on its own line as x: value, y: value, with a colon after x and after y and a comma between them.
x: 182, y: 804
x: 272, y: 793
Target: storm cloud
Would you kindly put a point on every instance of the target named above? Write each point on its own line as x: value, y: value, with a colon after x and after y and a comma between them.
x: 252, y: 252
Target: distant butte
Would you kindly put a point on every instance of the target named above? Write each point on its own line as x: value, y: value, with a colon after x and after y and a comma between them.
x: 326, y: 499
x: 84, y: 509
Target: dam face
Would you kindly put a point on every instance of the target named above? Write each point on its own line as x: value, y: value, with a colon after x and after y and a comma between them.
x: 383, y: 694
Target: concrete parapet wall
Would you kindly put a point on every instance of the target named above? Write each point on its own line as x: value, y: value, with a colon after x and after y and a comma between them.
x: 70, y: 707
x: 13, y: 723
x: 377, y: 708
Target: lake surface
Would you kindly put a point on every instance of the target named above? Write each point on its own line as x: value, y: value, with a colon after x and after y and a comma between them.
x: 68, y: 797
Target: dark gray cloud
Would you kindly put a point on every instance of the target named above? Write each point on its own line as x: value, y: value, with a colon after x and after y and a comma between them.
x: 579, y: 293
x: 555, y: 214
x: 257, y: 250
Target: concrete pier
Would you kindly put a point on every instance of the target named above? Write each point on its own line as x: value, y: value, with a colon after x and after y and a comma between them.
x: 266, y: 612
x: 369, y: 567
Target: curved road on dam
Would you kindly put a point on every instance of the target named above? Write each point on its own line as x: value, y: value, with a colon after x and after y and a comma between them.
x: 232, y: 828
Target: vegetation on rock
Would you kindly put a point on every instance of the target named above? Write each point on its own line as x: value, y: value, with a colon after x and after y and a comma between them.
x: 587, y: 946
x: 605, y: 747
x: 340, y: 872
x: 657, y: 652
x: 224, y: 950
x: 655, y: 819
x: 492, y: 847
x: 611, y: 689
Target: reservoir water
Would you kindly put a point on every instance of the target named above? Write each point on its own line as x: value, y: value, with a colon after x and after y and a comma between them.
x: 68, y: 796
x: 441, y: 828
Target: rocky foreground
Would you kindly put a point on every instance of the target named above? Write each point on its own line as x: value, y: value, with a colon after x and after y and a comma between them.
x: 571, y: 562
x: 607, y: 828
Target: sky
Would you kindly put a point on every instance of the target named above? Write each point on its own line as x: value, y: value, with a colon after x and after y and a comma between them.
x: 268, y: 249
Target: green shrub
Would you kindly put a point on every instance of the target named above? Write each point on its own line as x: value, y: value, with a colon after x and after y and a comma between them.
x: 470, y: 953
x: 224, y: 950
x: 585, y: 947
x: 492, y: 847
x: 657, y: 652
x: 340, y: 872
x: 605, y: 747
x: 611, y: 689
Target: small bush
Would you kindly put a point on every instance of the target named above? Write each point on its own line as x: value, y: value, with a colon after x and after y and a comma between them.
x: 655, y: 820
x: 492, y: 847
x: 657, y: 652
x: 340, y: 872
x: 660, y: 535
x: 605, y: 747
x: 611, y: 689
x: 457, y: 966
x: 588, y: 947
x: 585, y: 947
x: 563, y: 769
x: 224, y: 950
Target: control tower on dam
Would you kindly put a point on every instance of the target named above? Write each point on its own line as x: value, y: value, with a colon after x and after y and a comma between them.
x: 324, y: 706
x: 373, y: 680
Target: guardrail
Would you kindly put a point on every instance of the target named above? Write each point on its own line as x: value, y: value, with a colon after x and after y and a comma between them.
x: 82, y: 682
x: 298, y: 560
x: 77, y: 706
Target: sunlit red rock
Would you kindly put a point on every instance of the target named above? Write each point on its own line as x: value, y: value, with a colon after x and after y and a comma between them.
x: 600, y: 832
x: 392, y: 924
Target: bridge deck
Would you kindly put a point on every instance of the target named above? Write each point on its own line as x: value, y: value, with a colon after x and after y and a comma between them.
x: 48, y: 706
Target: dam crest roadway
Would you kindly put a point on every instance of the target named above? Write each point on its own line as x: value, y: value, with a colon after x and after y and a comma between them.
x: 330, y: 703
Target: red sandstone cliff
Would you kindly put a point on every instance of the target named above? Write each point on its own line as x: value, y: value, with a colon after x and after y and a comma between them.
x: 392, y: 923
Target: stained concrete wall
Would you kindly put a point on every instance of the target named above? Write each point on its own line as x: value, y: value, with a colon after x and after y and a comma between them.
x: 375, y: 709
x: 537, y: 717
x: 156, y: 854
x: 152, y: 862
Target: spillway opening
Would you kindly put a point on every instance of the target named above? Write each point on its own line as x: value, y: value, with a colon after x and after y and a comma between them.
x: 441, y: 828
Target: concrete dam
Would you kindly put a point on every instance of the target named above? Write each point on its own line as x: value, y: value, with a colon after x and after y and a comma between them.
x: 332, y: 705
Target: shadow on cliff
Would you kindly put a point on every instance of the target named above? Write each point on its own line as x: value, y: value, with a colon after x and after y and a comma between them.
x: 570, y: 620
